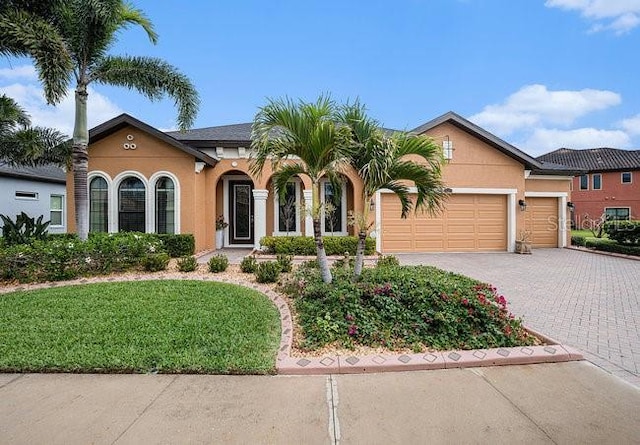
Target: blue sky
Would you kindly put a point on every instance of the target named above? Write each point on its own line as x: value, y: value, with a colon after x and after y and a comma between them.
x: 541, y: 74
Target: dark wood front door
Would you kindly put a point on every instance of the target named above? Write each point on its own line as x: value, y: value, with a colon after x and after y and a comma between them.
x: 240, y: 212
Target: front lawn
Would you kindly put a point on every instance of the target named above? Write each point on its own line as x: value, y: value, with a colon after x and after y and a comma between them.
x: 168, y: 326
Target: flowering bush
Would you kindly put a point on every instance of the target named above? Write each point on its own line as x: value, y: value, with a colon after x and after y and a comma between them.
x: 414, y: 307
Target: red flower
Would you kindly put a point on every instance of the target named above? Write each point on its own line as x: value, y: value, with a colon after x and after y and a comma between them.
x: 465, y: 302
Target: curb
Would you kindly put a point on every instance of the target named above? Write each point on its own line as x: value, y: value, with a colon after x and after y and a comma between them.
x: 602, y: 252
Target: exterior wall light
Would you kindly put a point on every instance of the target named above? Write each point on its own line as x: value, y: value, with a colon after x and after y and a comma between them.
x: 523, y: 205
x: 570, y: 205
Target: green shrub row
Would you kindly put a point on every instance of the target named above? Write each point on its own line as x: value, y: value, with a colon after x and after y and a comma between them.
x: 60, y: 258
x: 178, y: 245
x: 609, y: 246
x: 305, y: 245
x: 578, y: 240
x: 415, y: 307
x: 624, y: 232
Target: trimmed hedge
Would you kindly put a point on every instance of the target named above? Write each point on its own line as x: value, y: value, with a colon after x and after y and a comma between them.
x: 178, y: 245
x: 578, y: 240
x: 305, y: 245
x: 63, y: 259
x: 612, y: 246
x: 624, y: 232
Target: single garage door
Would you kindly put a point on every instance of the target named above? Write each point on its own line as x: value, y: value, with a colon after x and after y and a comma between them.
x: 468, y: 223
x: 541, y: 219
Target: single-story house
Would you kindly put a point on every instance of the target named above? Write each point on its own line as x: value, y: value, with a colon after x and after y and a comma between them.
x: 143, y: 179
x: 35, y: 191
x: 609, y: 186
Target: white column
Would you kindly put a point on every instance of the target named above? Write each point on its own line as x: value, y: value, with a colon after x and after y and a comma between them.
x: 562, y: 221
x: 308, y: 220
x: 511, y: 222
x: 260, y: 216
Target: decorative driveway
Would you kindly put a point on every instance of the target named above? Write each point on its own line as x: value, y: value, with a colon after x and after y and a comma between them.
x: 585, y: 300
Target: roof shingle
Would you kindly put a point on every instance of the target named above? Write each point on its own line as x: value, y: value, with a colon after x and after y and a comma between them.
x: 595, y: 159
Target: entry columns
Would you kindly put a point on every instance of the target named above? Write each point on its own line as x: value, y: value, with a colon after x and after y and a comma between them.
x: 308, y: 219
x: 260, y: 216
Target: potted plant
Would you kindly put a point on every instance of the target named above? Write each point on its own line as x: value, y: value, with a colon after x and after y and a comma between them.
x: 523, y: 243
x: 221, y: 224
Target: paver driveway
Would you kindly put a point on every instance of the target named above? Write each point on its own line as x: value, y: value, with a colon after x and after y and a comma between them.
x: 585, y: 300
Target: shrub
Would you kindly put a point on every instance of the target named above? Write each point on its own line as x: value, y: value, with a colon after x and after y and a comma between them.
x: 578, y: 240
x: 305, y: 245
x: 388, y: 261
x: 23, y: 230
x: 248, y: 264
x: 218, y: 263
x: 178, y: 245
x: 624, y: 232
x: 346, y: 261
x: 155, y: 262
x: 187, y: 264
x: 417, y: 307
x: 268, y: 272
x: 285, y: 262
x: 612, y: 246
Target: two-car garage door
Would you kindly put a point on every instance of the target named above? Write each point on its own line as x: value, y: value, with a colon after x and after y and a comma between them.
x: 468, y: 223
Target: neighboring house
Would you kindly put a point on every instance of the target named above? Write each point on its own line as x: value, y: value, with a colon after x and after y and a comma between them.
x: 35, y: 191
x: 145, y: 180
x: 609, y: 185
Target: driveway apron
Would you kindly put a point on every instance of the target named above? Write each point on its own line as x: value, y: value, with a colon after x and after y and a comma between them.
x: 585, y: 300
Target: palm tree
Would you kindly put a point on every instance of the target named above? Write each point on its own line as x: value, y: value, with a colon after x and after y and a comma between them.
x: 22, y: 144
x: 76, y: 36
x: 301, y: 139
x: 392, y: 162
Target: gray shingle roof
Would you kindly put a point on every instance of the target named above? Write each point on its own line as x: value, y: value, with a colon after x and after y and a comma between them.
x: 595, y: 159
x: 233, y: 132
x: 45, y: 173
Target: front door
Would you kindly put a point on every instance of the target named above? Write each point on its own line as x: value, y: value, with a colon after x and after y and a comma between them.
x: 240, y: 212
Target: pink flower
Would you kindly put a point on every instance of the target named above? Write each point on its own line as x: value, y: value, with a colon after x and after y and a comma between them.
x: 465, y: 302
x: 349, y: 317
x: 501, y: 301
x: 353, y: 330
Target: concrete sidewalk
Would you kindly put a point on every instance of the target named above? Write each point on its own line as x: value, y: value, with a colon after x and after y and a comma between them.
x: 549, y: 403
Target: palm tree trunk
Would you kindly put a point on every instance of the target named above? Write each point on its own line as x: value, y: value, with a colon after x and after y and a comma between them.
x: 81, y: 163
x: 362, y: 237
x: 325, y: 272
x: 357, y: 268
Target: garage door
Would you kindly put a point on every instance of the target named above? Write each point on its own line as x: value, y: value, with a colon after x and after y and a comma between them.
x: 541, y: 219
x: 468, y: 223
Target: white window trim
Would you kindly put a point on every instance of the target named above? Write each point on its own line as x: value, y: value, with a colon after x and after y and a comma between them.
x: 276, y: 212
x: 593, y: 181
x: 106, y: 177
x: 511, y: 210
x: 151, y: 196
x: 114, y: 198
x: 61, y: 210
x: 630, y: 178
x: 35, y: 197
x: 619, y: 207
x: 580, y: 183
x: 343, y: 216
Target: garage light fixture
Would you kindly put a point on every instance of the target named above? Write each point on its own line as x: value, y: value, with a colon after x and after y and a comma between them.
x: 523, y: 204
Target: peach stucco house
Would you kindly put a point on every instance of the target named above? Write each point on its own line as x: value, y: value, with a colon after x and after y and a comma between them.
x: 146, y: 180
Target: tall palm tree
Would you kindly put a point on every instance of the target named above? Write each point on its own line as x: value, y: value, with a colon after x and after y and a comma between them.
x: 76, y: 36
x: 301, y: 139
x: 22, y: 144
x: 392, y: 162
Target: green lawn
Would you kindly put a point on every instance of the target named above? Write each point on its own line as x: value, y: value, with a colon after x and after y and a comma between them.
x: 150, y: 326
x: 585, y: 233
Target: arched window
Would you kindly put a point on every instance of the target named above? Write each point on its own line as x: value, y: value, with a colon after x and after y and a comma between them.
x: 165, y: 206
x: 98, y: 205
x: 131, y: 205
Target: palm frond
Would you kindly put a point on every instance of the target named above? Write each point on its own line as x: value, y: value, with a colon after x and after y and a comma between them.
x: 34, y: 146
x: 26, y: 34
x: 154, y: 78
x: 133, y: 16
x: 285, y: 174
x: 12, y: 115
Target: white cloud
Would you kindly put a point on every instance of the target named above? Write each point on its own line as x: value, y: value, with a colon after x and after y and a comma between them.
x: 621, y: 16
x: 535, y: 105
x: 544, y: 140
x: 631, y: 125
x: 61, y: 117
x: 25, y: 72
